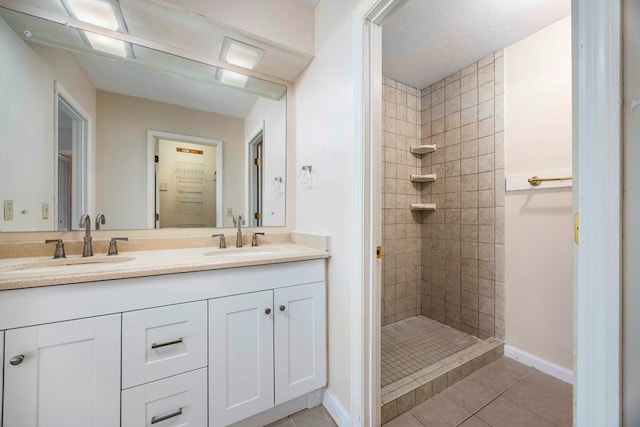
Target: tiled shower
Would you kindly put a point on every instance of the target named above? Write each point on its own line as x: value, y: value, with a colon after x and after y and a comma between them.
x: 447, y: 263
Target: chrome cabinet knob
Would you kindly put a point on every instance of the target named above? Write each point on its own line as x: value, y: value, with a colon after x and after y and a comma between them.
x: 283, y: 308
x: 267, y: 311
x: 16, y: 360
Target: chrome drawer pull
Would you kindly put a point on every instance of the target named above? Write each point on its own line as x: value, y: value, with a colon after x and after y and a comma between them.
x: 160, y: 418
x: 164, y: 344
x: 16, y: 360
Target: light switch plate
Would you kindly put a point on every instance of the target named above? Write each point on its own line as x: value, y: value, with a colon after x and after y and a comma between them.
x: 45, y: 210
x: 8, y: 210
x: 229, y: 211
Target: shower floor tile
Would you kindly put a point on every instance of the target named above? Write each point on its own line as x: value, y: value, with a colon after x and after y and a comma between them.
x: 413, y: 344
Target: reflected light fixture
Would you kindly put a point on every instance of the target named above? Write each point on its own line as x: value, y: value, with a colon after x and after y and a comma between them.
x: 101, y: 13
x: 107, y: 44
x: 231, y: 78
x: 241, y: 54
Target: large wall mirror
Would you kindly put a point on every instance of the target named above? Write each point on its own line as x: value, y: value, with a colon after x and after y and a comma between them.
x: 150, y: 140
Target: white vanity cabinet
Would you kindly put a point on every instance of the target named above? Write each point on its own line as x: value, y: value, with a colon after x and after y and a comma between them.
x: 63, y: 374
x: 191, y: 349
x: 265, y: 348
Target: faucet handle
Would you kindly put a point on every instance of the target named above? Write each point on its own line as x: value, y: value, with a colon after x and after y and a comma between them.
x: 254, y: 239
x: 223, y: 243
x: 113, y: 245
x: 59, y: 253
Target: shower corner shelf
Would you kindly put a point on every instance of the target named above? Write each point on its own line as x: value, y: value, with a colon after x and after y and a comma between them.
x: 423, y: 178
x: 423, y: 206
x: 423, y: 149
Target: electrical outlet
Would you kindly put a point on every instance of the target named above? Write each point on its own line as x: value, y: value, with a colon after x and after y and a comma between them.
x: 45, y: 210
x: 229, y: 211
x: 8, y: 210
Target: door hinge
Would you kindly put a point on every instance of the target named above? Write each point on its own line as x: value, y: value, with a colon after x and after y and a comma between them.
x: 379, y: 252
x: 157, y: 159
x: 576, y: 228
x: 257, y: 215
x: 257, y: 162
x: 157, y: 217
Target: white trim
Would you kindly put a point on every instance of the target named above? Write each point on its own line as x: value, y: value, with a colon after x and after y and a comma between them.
x: 250, y: 196
x: 366, y: 293
x: 83, y: 171
x: 597, y: 167
x: 333, y: 406
x: 563, y: 374
x: 151, y: 170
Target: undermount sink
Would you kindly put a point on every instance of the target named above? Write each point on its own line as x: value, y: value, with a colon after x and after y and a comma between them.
x: 248, y: 252
x: 70, y: 262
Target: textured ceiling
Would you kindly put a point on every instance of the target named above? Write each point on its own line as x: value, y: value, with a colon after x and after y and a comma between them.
x: 427, y: 40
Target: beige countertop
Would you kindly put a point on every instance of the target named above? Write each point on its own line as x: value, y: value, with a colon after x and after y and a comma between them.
x: 18, y: 273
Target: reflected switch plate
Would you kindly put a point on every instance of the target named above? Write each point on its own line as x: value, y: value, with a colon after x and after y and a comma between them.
x: 45, y: 210
x: 8, y: 210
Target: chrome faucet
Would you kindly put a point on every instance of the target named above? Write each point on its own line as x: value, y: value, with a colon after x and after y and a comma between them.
x: 100, y: 219
x: 239, y: 233
x: 87, y: 249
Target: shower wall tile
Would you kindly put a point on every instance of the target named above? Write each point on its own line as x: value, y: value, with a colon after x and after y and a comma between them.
x: 462, y: 242
x: 405, y: 108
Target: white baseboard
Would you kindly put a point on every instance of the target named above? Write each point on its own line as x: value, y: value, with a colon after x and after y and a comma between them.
x: 542, y: 365
x: 335, y: 409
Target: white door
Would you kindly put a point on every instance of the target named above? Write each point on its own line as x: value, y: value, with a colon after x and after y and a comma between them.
x: 63, y: 374
x: 180, y: 400
x: 299, y: 340
x: 240, y: 357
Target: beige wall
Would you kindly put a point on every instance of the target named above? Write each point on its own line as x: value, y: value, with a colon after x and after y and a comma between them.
x: 324, y: 111
x: 631, y: 225
x: 121, y: 169
x: 26, y: 163
x: 538, y: 223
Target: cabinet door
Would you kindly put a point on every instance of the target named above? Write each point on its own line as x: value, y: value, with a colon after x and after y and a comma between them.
x: 240, y: 357
x: 164, y: 341
x: 176, y: 401
x: 300, y: 340
x: 69, y: 374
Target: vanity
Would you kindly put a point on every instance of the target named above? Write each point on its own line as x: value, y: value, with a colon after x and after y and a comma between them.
x: 143, y: 135
x: 199, y: 336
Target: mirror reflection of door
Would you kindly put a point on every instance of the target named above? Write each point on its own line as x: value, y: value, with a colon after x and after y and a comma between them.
x: 256, y: 168
x: 72, y: 139
x: 186, y: 184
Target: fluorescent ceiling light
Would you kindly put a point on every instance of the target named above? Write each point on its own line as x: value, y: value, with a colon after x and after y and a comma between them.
x: 102, y: 13
x: 231, y: 78
x: 107, y: 44
x: 240, y: 54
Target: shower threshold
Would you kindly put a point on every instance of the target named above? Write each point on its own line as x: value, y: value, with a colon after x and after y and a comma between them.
x: 421, y: 357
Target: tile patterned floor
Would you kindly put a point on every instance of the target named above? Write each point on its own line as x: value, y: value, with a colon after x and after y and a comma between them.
x: 415, y: 343
x: 314, y: 417
x: 504, y: 393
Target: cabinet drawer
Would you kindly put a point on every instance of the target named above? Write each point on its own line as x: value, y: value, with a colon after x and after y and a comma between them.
x: 176, y: 401
x: 161, y: 342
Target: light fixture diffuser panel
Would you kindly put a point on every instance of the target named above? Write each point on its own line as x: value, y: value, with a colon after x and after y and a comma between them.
x: 102, y: 13
x: 241, y: 54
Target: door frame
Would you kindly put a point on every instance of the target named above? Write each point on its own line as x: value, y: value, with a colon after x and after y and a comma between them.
x: 82, y: 169
x: 596, y: 44
x: 152, y: 191
x: 250, y: 190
